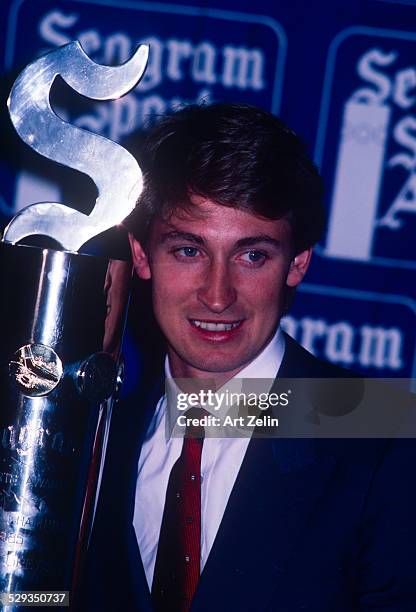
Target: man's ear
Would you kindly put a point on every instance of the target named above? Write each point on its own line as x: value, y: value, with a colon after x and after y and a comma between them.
x: 298, y: 268
x: 140, y: 260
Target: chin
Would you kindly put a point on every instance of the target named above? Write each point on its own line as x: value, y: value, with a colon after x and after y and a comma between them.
x: 216, y: 366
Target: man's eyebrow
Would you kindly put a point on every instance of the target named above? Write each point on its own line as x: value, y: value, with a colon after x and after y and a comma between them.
x: 197, y: 239
x: 253, y: 240
x: 177, y: 234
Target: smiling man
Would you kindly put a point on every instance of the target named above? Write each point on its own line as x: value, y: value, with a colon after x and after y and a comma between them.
x: 224, y: 273
x: 223, y: 231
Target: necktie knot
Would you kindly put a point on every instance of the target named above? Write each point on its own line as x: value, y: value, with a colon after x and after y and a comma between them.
x: 194, y: 428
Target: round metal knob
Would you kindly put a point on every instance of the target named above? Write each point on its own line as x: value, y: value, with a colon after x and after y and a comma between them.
x: 97, y: 377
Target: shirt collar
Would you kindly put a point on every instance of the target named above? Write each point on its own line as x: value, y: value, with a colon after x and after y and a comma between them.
x: 264, y: 366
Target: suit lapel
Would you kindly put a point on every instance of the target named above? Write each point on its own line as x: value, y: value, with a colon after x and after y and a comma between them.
x: 135, y: 564
x: 277, y: 488
x: 130, y: 421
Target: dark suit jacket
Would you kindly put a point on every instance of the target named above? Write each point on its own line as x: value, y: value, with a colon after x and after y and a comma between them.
x: 310, y: 526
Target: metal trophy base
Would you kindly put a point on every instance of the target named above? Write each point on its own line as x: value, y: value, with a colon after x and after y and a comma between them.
x: 62, y: 315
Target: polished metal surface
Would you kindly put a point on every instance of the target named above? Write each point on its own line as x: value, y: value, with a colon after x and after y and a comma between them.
x: 115, y: 172
x: 63, y: 317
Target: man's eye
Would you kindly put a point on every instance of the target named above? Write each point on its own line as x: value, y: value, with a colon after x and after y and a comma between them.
x: 187, y: 251
x: 254, y: 256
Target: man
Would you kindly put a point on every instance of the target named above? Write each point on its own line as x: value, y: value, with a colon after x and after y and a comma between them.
x: 223, y: 232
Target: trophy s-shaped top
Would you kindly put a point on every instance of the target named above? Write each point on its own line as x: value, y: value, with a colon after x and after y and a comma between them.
x: 114, y: 170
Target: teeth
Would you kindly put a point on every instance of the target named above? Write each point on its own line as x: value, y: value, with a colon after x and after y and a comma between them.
x: 215, y: 326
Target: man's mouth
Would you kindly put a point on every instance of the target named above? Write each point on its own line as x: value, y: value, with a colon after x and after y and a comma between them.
x: 216, y: 326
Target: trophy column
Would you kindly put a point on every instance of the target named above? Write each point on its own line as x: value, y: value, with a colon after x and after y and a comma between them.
x: 61, y: 313
x: 62, y: 317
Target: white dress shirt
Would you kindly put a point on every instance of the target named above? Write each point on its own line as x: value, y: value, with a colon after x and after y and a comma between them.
x: 220, y: 463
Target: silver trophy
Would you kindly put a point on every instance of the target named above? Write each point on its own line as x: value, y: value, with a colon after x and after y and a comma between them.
x: 62, y: 316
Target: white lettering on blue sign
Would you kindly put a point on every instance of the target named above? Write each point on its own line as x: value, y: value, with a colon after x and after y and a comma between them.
x: 176, y: 60
x: 342, y: 343
x: 172, y: 60
x: 375, y: 115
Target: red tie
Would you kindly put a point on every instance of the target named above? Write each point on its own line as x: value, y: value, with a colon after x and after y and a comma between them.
x: 178, y: 560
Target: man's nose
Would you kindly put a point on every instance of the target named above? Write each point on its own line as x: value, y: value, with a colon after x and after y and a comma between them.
x: 217, y: 292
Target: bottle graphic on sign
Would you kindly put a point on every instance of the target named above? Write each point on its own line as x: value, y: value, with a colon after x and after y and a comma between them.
x: 360, y: 164
x: 358, y: 179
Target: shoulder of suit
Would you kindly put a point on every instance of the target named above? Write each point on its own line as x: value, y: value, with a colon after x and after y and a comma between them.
x: 300, y: 363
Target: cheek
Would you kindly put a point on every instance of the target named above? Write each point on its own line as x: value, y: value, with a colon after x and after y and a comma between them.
x: 265, y: 294
x: 172, y: 281
x: 170, y: 293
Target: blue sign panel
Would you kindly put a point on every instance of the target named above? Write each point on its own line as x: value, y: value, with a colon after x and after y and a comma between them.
x: 368, y: 332
x: 195, y: 55
x: 367, y: 146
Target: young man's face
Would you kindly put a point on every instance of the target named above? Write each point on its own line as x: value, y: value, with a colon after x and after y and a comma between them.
x: 219, y: 284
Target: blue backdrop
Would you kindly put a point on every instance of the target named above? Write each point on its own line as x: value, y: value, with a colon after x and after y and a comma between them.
x: 342, y: 74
